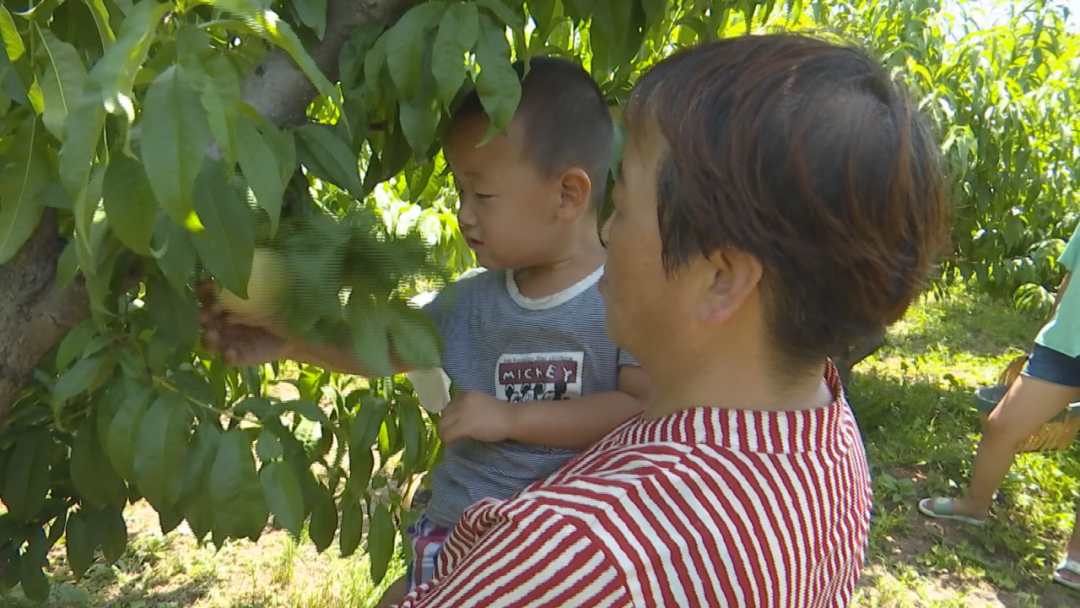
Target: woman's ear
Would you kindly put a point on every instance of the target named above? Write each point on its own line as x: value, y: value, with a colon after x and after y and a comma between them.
x: 575, y: 194
x: 730, y: 278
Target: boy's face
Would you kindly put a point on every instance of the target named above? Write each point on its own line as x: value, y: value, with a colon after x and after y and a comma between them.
x: 509, y: 212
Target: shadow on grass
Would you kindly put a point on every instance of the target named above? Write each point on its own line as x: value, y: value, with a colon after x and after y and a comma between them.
x: 68, y: 594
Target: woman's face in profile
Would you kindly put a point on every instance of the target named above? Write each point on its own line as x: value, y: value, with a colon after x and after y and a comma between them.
x: 640, y: 299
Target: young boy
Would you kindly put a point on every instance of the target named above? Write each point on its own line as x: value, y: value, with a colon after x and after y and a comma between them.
x: 525, y: 341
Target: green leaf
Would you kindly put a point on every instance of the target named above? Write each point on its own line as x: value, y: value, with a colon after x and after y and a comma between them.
x: 361, y: 465
x: 175, y: 137
x: 24, y: 174
x: 271, y: 27
x: 261, y: 169
x: 457, y: 35
x: 27, y: 479
x: 543, y: 12
x: 175, y: 315
x: 352, y: 527
x: 239, y: 507
x: 80, y: 543
x: 34, y: 582
x: 268, y: 446
x: 415, y: 338
x: 129, y: 203
x: 227, y: 248
x: 497, y: 86
x: 305, y: 408
x: 412, y: 430
x: 654, y: 12
x: 221, y: 98
x: 219, y: 83
x: 324, y: 520
x: 365, y: 426
x: 101, y: 20
x: 62, y: 82
x: 503, y: 12
x: 312, y: 13
x: 56, y: 528
x: 282, y: 492
x: 67, y: 266
x: 374, y: 62
x: 355, y: 52
x: 381, y: 539
x: 82, y: 132
x: 76, y: 380
x: 89, y: 233
x: 259, y: 406
x: 91, y: 473
x: 202, y: 452
x: 74, y: 342
x: 108, y: 524
x: 53, y: 195
x: 198, y: 506
x: 419, y: 118
x: 170, y: 518
x: 174, y: 252
x: 161, y: 451
x: 405, y: 46
x: 13, y: 42
x: 124, y: 430
x: 329, y: 158
x: 370, y: 338
x: 116, y: 70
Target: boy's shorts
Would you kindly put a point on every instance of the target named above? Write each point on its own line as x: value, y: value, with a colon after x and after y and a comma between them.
x: 1049, y: 365
x: 427, y: 538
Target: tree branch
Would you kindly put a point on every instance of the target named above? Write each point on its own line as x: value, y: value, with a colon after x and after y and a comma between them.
x: 280, y: 91
x: 35, y: 314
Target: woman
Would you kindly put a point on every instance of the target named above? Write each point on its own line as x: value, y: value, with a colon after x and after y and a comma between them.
x: 1049, y: 383
x: 777, y: 199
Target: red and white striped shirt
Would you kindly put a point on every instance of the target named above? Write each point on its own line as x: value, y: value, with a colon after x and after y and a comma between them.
x: 706, y: 507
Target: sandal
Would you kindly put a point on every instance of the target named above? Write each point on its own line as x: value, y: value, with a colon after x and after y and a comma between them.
x: 942, y: 508
x: 1072, y: 566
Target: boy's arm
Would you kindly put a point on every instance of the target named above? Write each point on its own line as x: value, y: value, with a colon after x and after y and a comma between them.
x: 248, y: 343
x: 336, y: 358
x: 571, y: 423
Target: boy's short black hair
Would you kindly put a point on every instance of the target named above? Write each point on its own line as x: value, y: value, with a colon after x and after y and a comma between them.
x: 566, y: 120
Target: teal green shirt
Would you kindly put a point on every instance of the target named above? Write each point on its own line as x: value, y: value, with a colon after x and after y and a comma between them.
x: 1062, y: 333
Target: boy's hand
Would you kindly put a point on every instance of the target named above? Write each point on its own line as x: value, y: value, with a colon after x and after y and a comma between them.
x: 477, y: 416
x: 237, y: 341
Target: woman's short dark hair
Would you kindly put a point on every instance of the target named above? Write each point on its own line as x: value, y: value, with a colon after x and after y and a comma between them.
x: 806, y: 155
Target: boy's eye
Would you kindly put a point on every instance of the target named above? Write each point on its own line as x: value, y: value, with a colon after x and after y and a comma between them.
x: 484, y: 196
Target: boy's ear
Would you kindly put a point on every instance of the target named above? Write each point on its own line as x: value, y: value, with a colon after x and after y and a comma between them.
x: 575, y: 193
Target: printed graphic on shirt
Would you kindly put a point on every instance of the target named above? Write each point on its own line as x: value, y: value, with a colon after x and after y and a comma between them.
x: 539, y: 376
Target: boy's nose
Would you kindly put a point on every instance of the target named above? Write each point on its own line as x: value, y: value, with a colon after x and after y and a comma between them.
x: 465, y: 215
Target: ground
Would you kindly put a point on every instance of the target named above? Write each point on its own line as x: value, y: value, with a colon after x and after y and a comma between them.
x: 914, y: 404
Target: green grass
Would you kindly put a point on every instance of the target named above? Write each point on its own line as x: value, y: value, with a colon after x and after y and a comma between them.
x: 914, y: 403
x: 173, y: 571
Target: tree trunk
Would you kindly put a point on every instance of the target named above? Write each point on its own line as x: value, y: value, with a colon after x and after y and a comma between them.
x: 35, y: 315
x: 856, y: 353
